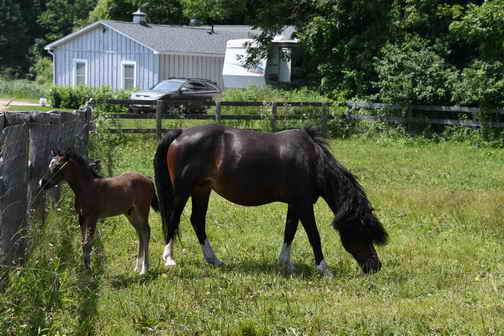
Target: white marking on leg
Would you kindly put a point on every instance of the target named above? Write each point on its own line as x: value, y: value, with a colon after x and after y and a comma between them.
x: 167, y: 255
x: 145, y: 256
x: 324, y: 270
x: 209, y: 254
x: 284, y: 258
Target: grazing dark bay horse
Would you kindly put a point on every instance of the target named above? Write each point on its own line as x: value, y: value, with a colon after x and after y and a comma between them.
x: 253, y: 168
x: 130, y: 194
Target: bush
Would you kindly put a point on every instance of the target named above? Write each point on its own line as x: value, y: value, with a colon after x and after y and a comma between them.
x: 413, y: 72
x: 481, y: 84
x: 43, y: 71
x: 75, y: 97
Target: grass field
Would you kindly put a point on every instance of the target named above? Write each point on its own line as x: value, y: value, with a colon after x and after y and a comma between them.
x: 443, y: 270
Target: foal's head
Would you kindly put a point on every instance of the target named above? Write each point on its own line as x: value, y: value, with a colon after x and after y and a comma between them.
x: 61, y: 166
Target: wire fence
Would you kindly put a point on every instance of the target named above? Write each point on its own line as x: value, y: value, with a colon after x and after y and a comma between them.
x: 26, y: 141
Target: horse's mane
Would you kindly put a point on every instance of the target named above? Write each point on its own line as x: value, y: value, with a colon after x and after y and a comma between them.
x: 71, y: 154
x: 316, y: 134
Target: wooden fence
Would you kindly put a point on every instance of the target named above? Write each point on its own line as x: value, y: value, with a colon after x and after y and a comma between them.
x: 407, y: 115
x: 26, y: 140
x: 162, y: 109
x: 422, y: 114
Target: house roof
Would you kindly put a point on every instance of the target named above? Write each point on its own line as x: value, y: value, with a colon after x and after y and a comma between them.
x: 172, y: 39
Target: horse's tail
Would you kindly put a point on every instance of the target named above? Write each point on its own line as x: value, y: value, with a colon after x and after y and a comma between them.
x: 354, y: 218
x: 162, y: 179
x: 154, y: 203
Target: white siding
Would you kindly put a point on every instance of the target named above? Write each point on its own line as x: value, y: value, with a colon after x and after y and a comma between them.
x: 208, y: 67
x: 105, y: 51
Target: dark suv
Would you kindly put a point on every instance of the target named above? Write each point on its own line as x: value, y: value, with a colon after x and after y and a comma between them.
x: 194, y: 89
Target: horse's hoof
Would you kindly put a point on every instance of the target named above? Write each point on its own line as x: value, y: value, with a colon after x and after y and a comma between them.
x: 215, y: 261
x: 327, y: 274
x: 170, y: 262
x: 324, y: 270
x: 288, y: 267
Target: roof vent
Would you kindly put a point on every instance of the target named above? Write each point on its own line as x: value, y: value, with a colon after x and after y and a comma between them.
x: 139, y: 17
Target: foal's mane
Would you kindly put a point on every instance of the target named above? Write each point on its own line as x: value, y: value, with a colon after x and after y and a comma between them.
x: 72, y: 155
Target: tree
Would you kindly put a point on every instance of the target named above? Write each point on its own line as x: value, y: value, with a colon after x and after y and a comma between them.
x: 61, y: 17
x: 158, y: 11
x: 483, y: 26
x: 213, y: 11
x: 14, y: 40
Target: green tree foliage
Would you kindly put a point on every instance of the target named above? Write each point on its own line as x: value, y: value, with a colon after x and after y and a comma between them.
x: 413, y: 72
x: 483, y: 26
x: 14, y: 38
x: 158, y: 11
x: 212, y: 11
x: 61, y: 17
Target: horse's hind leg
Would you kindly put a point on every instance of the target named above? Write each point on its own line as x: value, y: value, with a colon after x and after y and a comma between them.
x: 290, y: 231
x: 172, y: 227
x: 141, y: 224
x: 200, y: 196
x: 308, y: 220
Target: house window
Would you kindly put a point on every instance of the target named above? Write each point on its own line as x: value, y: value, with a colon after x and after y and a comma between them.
x: 80, y: 72
x: 128, y: 75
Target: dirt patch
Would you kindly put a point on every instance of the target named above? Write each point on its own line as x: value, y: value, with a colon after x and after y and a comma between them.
x: 5, y: 103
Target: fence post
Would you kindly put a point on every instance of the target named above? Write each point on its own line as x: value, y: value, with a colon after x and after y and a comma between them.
x: 218, y: 111
x: 273, y: 116
x: 325, y: 118
x: 160, y: 106
x: 13, y: 187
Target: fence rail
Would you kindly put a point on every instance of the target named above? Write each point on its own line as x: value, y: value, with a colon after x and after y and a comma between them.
x: 163, y: 106
x: 408, y: 114
x: 403, y: 114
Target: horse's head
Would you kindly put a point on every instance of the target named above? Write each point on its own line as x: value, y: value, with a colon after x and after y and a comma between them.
x: 58, y: 164
x: 359, y: 235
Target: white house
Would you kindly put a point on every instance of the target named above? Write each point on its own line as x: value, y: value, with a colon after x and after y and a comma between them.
x: 137, y: 54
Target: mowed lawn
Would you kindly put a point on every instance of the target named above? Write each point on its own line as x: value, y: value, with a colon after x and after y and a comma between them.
x: 443, y: 270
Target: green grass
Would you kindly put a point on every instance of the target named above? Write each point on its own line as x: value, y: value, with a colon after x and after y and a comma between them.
x: 443, y: 271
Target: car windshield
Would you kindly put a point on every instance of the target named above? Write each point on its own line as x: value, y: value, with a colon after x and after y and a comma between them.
x: 167, y: 86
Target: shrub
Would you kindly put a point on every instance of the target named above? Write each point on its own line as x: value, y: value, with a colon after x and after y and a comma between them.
x: 481, y: 84
x: 43, y: 71
x: 75, y: 97
x: 413, y: 72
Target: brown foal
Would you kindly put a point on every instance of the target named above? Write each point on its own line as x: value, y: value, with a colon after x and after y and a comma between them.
x: 130, y: 194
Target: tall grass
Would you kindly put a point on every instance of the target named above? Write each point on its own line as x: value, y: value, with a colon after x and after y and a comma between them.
x: 22, y: 89
x: 443, y: 271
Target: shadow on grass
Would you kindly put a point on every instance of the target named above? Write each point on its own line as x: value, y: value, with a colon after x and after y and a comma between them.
x: 122, y: 281
x: 88, y: 290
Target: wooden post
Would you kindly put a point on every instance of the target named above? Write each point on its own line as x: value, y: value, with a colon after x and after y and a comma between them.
x: 160, y: 106
x: 218, y: 111
x: 273, y: 116
x: 325, y: 118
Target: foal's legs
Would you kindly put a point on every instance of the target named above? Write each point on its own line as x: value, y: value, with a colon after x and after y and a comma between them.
x: 140, y: 221
x: 291, y: 225
x: 200, y: 198
x: 308, y: 220
x: 172, y: 226
x: 88, y: 227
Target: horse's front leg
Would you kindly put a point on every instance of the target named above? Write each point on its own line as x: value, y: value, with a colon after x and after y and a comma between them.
x: 308, y: 220
x: 200, y: 197
x: 88, y: 227
x: 290, y: 231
